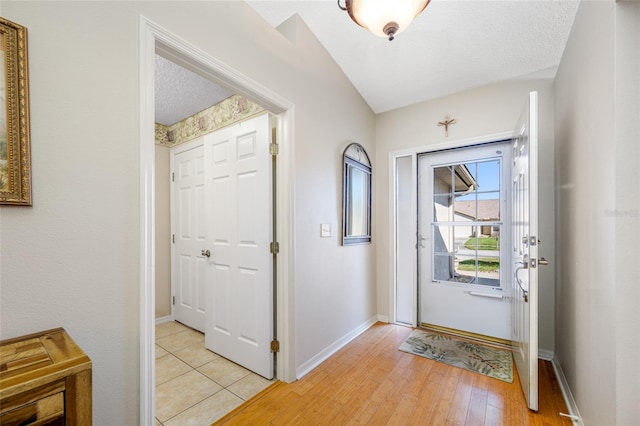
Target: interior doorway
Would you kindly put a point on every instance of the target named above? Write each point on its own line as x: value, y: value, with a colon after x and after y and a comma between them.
x: 155, y: 39
x: 221, y: 271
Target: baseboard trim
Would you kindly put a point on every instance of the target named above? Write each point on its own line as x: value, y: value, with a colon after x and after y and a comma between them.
x: 573, y: 414
x: 383, y: 318
x: 545, y: 354
x: 162, y: 320
x: 322, y: 356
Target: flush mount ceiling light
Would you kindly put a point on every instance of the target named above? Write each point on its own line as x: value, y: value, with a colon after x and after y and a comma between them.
x: 384, y: 18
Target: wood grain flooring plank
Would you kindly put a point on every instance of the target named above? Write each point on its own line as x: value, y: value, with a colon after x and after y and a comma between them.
x: 404, y: 410
x: 494, y: 416
x: 461, y: 398
x: 440, y: 411
x: 370, y: 382
x: 476, y: 415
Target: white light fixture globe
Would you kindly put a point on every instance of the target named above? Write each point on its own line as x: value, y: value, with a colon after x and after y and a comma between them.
x: 384, y: 18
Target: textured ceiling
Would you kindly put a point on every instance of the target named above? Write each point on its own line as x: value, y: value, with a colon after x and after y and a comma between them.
x: 452, y: 46
x: 180, y: 93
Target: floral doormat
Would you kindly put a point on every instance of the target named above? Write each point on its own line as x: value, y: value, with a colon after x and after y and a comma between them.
x: 492, y: 362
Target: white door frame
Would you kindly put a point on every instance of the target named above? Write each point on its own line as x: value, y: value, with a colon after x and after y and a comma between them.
x: 154, y: 38
x: 413, y: 152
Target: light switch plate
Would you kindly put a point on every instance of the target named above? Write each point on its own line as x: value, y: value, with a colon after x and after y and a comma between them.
x: 325, y: 230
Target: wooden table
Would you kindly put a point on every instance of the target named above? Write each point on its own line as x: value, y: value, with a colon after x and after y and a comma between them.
x: 45, y: 379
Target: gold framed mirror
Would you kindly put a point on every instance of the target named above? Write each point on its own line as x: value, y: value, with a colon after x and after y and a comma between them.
x: 15, y: 148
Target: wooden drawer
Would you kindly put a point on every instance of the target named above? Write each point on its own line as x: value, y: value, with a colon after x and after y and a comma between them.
x: 45, y: 411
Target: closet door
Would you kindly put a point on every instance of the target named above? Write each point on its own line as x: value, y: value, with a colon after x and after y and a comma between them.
x: 189, y: 229
x: 238, y: 179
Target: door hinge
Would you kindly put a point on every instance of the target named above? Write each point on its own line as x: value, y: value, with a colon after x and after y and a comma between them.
x: 273, y: 148
x: 173, y: 300
x: 173, y: 238
x: 274, y: 247
x: 173, y: 177
x: 275, y: 346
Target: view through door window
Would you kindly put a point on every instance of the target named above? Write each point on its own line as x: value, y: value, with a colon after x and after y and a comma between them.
x: 467, y: 223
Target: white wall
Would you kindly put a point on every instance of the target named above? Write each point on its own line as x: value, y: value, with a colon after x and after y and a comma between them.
x: 163, y: 233
x: 482, y: 111
x: 627, y: 212
x: 335, y: 285
x: 72, y: 260
x: 598, y: 214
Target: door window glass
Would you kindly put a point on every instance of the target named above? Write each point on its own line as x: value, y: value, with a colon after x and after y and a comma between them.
x: 467, y: 223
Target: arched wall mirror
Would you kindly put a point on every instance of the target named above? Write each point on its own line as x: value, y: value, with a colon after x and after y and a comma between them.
x: 356, y: 196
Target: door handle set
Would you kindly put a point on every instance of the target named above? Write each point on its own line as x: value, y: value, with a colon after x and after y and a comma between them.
x: 524, y: 264
x: 542, y: 262
x: 205, y: 253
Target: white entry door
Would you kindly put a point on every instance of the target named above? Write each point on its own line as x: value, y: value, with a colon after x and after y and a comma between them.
x: 189, y: 231
x: 525, y: 250
x: 463, y: 222
x: 239, y: 308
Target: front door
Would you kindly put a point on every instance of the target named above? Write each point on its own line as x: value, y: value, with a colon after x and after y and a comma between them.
x: 239, y: 310
x: 463, y: 219
x: 525, y: 250
x: 189, y: 230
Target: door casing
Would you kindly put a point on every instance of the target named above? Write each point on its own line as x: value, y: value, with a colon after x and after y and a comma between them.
x: 155, y: 39
x: 413, y: 152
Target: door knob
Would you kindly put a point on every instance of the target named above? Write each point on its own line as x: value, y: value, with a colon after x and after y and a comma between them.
x: 205, y: 253
x: 543, y: 261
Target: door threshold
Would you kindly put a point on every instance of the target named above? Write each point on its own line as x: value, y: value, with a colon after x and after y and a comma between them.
x: 480, y: 338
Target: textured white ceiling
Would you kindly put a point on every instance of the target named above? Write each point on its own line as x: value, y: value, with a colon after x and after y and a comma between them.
x: 452, y: 46
x: 180, y: 93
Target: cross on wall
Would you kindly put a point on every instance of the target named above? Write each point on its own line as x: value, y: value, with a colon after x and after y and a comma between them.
x: 446, y: 122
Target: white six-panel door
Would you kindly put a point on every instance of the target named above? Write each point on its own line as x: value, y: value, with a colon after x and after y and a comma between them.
x: 525, y: 251
x: 239, y: 310
x: 189, y: 230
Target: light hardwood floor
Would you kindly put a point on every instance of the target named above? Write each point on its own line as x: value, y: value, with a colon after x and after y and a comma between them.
x: 371, y: 382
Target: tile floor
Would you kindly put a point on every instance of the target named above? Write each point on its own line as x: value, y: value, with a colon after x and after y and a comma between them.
x: 195, y: 386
